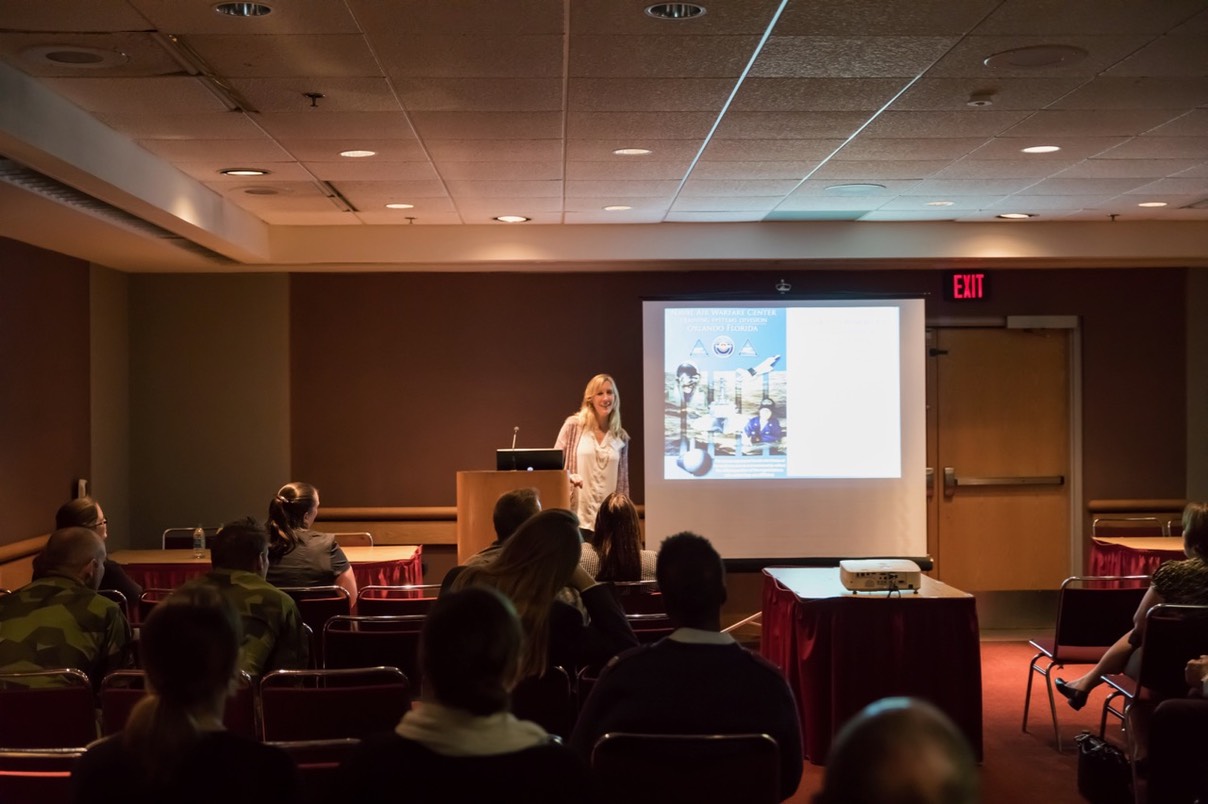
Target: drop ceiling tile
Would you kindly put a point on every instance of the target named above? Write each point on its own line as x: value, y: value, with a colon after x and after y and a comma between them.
x: 877, y: 170
x: 826, y: 203
x: 815, y: 94
x: 1137, y: 93
x: 932, y: 148
x: 208, y: 173
x: 968, y: 168
x: 518, y: 188
x: 1089, y: 123
x: 821, y: 187
x: 144, y: 56
x: 640, y: 204
x: 690, y: 216
x: 968, y: 123
x: 1099, y: 187
x: 426, y: 197
x: 1191, y: 124
x: 1188, y: 185
x: 940, y: 188
x: 487, y: 125
x: 583, y: 188
x: 884, y: 214
x: 164, y: 94
x: 644, y: 170
x: 250, y: 56
x: 501, y: 171
x: 1196, y: 172
x: 1125, y: 168
x: 966, y: 59
x: 789, y: 125
x: 647, y: 125
x: 49, y: 15
x: 286, y: 18
x: 846, y: 57
x: 431, y: 55
x: 1039, y: 17
x: 470, y: 17
x: 919, y: 203
x: 281, y: 190
x: 336, y: 126
x: 876, y: 18
x: 1166, y: 57
x: 685, y: 56
x: 600, y: 17
x: 218, y: 154
x: 725, y: 204
x: 1030, y: 202
x: 398, y: 217
x: 306, y: 217
x: 589, y: 149
x: 483, y: 209
x: 325, y: 150
x: 648, y: 94
x: 494, y: 150
x: 339, y: 94
x: 605, y: 218
x: 1072, y: 148
x: 1160, y: 148
x: 1006, y: 94
x: 764, y: 150
x: 480, y: 94
x: 368, y: 170
x: 209, y: 126
x: 720, y: 187
x: 794, y: 169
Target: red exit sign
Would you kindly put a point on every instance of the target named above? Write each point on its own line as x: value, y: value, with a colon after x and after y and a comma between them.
x: 966, y: 285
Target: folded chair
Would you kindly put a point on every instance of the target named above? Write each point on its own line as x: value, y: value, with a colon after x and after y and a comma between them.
x: 1092, y: 613
x: 47, y: 709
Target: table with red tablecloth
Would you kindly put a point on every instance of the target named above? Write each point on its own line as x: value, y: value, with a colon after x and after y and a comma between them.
x: 1133, y: 555
x: 386, y: 564
x: 840, y: 651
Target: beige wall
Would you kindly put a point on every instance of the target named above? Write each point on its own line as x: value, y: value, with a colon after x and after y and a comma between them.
x: 110, y: 368
x: 1197, y: 385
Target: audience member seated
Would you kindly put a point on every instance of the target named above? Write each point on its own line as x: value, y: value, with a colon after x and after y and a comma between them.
x: 273, y: 637
x: 85, y: 512
x: 512, y: 509
x: 174, y: 747
x: 615, y: 552
x: 1179, y: 582
x: 299, y: 556
x: 58, y: 619
x: 698, y: 680
x: 541, y: 558
x: 899, y: 751
x: 460, y: 744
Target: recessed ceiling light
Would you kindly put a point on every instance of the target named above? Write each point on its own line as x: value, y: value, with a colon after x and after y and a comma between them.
x: 675, y: 11
x: 940, y: 203
x: 616, y: 208
x: 244, y: 172
x: 400, y: 206
x: 243, y: 9
x: 1036, y: 57
x: 1041, y: 149
x: 1016, y: 216
x: 632, y: 151
x: 511, y: 218
x: 854, y: 189
x: 1152, y: 204
x: 358, y: 154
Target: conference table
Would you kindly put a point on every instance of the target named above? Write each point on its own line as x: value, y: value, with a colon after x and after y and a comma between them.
x: 386, y: 564
x: 841, y: 651
x: 1133, y: 555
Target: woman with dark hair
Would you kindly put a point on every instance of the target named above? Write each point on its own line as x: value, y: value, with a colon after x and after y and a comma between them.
x: 85, y: 512
x: 459, y: 744
x: 595, y: 448
x: 615, y: 552
x: 1179, y: 582
x: 297, y: 555
x: 174, y: 747
x: 534, y: 565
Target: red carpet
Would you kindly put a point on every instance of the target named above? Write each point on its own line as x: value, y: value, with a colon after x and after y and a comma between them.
x: 1019, y: 766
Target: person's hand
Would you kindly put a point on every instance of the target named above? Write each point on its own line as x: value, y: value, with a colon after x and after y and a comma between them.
x: 581, y: 579
x: 1196, y: 671
x: 576, y: 480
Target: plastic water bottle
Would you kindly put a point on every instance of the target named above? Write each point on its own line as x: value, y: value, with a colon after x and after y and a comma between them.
x: 199, y: 542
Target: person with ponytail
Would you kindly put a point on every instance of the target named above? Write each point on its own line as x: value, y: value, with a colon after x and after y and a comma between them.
x: 460, y: 743
x: 299, y: 556
x: 615, y: 551
x: 174, y: 747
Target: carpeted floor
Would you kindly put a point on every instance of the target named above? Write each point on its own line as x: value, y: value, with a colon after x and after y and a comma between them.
x: 1018, y: 766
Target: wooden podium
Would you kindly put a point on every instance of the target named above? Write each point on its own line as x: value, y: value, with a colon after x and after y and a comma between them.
x: 478, y: 491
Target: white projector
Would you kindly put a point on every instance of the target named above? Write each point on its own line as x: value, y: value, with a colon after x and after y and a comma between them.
x: 879, y: 574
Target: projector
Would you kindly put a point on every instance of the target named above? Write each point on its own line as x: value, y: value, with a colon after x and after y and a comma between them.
x: 879, y: 574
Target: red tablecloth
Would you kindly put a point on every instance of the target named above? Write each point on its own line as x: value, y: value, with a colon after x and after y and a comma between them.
x: 1133, y: 555
x: 841, y: 651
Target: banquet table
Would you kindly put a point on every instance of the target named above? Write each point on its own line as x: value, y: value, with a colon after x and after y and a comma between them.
x: 1133, y: 555
x: 386, y: 564
x: 841, y: 651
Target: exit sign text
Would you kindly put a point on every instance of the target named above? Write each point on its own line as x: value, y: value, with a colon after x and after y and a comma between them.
x: 966, y: 285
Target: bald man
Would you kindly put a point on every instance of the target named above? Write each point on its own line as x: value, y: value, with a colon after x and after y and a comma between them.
x: 58, y: 619
x: 900, y: 751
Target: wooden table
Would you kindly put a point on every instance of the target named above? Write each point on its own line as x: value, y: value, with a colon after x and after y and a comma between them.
x: 386, y: 564
x: 841, y: 651
x: 1133, y: 555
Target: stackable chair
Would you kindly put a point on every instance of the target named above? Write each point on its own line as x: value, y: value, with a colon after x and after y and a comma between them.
x: 395, y: 600
x: 331, y: 704
x: 118, y: 598
x: 359, y: 539
x: 318, y: 763
x: 1092, y: 613
x: 317, y: 605
x: 149, y: 599
x: 657, y: 768
x: 547, y: 700
x: 46, y: 709
x: 182, y: 538
x: 639, y: 597
x: 374, y: 641
x: 122, y: 689
x: 37, y: 776
x: 650, y: 627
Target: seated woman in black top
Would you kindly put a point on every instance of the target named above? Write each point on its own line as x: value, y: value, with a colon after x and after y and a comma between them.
x: 85, y: 512
x: 174, y: 747
x: 534, y: 565
x: 297, y: 555
x: 460, y: 744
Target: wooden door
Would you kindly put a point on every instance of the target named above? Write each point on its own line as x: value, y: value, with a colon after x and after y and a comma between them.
x: 999, y: 446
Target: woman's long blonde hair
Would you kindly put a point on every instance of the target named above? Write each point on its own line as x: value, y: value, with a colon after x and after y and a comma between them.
x: 587, y: 414
x: 533, y: 565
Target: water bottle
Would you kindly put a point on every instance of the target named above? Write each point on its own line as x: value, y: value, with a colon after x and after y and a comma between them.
x: 199, y: 542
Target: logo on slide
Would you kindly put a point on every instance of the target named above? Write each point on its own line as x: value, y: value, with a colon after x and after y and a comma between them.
x: 723, y: 346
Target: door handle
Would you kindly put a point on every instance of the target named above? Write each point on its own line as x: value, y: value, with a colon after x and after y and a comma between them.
x: 930, y: 482
x: 951, y: 481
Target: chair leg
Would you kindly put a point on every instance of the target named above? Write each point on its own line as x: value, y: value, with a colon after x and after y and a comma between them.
x: 1027, y: 695
x: 1048, y: 683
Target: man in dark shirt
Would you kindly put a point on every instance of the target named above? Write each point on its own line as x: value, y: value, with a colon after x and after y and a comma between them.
x: 512, y: 509
x: 698, y: 680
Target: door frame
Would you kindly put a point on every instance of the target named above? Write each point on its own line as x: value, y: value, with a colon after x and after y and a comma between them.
x: 1067, y: 322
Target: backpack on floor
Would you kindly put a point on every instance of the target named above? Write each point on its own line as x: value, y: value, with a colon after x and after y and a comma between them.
x: 1104, y: 775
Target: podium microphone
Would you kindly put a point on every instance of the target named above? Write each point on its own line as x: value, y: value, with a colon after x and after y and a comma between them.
x: 515, y: 432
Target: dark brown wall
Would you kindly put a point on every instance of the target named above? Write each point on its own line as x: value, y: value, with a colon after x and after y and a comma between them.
x: 44, y: 385
x: 400, y: 380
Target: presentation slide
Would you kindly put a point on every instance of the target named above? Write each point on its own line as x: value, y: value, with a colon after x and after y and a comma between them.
x: 798, y: 427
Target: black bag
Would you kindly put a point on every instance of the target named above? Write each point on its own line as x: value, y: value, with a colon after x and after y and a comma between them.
x: 1104, y: 775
